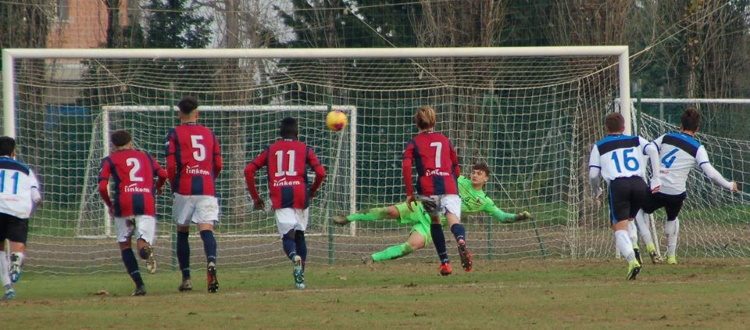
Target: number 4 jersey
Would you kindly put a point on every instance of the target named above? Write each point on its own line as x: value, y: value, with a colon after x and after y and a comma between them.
x: 132, y: 172
x: 619, y: 156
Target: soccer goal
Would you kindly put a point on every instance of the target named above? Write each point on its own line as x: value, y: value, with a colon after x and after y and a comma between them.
x: 531, y: 113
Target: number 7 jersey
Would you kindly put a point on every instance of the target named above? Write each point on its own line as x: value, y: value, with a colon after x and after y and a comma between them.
x: 619, y: 156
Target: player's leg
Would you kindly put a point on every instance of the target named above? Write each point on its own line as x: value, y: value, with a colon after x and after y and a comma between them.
x: 146, y: 228
x: 17, y: 234
x: 290, y: 223
x: 182, y: 212
x: 633, y: 234
x: 418, y: 238
x: 672, y: 205
x: 378, y: 213
x: 620, y: 199
x: 9, y: 292
x: 431, y: 206
x: 452, y: 205
x: 124, y: 233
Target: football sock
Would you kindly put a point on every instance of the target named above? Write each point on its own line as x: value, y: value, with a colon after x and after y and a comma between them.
x: 644, y: 228
x: 289, y: 245
x: 17, y: 257
x: 459, y: 232
x: 131, y: 265
x: 622, y: 241
x: 672, y: 231
x: 209, y: 245
x: 142, y: 253
x: 299, y: 239
x: 438, y: 238
x: 4, y: 270
x: 377, y: 213
x: 633, y: 233
x: 393, y: 252
x: 183, y: 253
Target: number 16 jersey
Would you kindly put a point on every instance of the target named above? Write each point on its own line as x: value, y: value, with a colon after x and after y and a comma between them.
x: 619, y: 156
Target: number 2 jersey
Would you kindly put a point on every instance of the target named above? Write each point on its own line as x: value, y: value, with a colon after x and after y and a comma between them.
x: 132, y: 172
x: 287, y: 161
x: 437, y: 165
x: 619, y: 156
x: 193, y: 159
x: 19, y: 188
x: 679, y: 153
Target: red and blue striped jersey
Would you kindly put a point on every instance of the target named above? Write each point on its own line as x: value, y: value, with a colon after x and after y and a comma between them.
x: 437, y: 165
x: 287, y: 162
x: 132, y: 172
x: 193, y: 159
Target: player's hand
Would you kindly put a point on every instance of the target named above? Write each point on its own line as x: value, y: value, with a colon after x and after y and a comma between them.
x: 111, y: 211
x: 735, y: 186
x: 523, y: 216
x: 259, y: 204
x: 597, y: 194
x: 655, y: 185
x: 409, y: 200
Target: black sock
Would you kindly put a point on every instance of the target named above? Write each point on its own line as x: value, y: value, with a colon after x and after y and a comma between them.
x: 209, y: 245
x: 183, y: 253
x: 299, y: 238
x: 289, y: 245
x: 142, y: 252
x: 438, y: 238
x: 131, y: 265
x: 458, y: 231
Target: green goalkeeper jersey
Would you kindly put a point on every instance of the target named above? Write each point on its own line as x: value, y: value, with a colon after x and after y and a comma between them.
x: 476, y: 200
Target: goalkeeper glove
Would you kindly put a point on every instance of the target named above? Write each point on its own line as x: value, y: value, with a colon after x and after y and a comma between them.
x: 523, y: 216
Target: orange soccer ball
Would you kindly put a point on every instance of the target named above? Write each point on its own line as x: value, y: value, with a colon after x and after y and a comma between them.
x: 336, y: 120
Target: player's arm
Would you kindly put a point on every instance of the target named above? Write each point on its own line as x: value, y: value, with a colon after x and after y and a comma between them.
x: 320, y: 171
x: 36, y: 195
x: 652, y: 151
x: 104, y: 174
x: 257, y: 163
x: 160, y: 173
x: 171, y: 149
x: 218, y: 161
x: 454, y: 159
x: 702, y: 158
x: 500, y: 215
x: 595, y: 168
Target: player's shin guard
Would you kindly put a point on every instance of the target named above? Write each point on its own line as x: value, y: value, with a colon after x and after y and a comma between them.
x: 377, y: 213
x: 289, y: 244
x: 209, y: 245
x: 183, y: 253
x: 438, y: 238
x: 299, y: 240
x: 672, y: 231
x: 393, y: 252
x: 131, y: 265
x: 4, y: 270
x: 624, y: 245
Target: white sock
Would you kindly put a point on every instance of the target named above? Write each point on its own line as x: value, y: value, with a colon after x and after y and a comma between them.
x: 4, y: 269
x: 644, y: 227
x: 633, y: 233
x: 19, y: 255
x: 672, y: 231
x: 624, y: 245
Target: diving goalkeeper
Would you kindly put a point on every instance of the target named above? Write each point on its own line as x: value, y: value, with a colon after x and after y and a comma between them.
x: 473, y: 200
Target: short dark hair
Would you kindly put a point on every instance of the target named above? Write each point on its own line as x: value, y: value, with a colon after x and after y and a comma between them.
x: 7, y: 145
x: 614, y: 122
x: 120, y: 138
x: 288, y: 128
x: 481, y: 166
x: 690, y: 119
x: 187, y: 104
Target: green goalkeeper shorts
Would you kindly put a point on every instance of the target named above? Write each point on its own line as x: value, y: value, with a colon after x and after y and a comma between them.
x: 418, y: 218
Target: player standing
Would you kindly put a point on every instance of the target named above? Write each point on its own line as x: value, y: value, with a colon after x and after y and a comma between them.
x: 287, y: 160
x: 134, y: 205
x: 680, y: 152
x: 619, y: 159
x: 437, y: 171
x: 193, y: 164
x: 473, y: 200
x: 19, y: 195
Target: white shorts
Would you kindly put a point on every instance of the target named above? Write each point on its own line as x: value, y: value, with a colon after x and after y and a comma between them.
x: 195, y: 209
x: 144, y: 224
x: 445, y: 204
x: 290, y: 218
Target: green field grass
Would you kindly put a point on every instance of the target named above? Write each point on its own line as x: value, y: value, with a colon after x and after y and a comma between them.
x: 699, y: 293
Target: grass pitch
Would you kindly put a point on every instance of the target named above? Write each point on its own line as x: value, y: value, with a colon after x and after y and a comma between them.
x: 699, y: 293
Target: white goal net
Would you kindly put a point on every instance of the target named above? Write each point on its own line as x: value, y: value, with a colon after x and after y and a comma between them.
x: 530, y: 113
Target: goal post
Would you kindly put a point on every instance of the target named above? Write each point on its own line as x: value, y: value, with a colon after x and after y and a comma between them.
x: 531, y: 113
